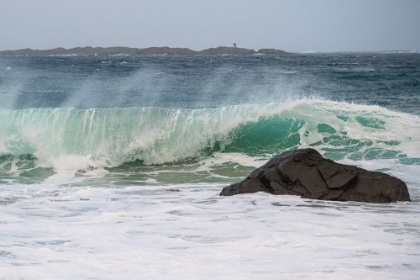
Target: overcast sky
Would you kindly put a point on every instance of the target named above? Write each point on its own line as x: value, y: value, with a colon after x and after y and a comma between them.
x: 291, y: 25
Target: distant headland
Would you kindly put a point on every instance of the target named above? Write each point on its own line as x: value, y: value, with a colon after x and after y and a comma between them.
x: 91, y: 51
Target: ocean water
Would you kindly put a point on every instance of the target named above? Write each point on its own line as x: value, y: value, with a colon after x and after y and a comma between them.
x: 111, y: 167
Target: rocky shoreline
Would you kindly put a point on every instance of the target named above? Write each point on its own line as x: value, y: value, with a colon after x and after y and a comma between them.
x: 98, y: 51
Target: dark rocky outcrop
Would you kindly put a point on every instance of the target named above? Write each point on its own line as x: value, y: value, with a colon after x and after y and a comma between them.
x: 90, y: 51
x: 306, y: 173
x: 226, y: 50
x: 165, y: 50
x: 271, y: 51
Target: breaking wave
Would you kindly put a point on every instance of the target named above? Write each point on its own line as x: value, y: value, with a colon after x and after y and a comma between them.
x: 79, y: 139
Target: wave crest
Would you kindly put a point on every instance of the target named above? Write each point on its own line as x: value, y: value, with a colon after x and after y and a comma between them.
x: 69, y: 138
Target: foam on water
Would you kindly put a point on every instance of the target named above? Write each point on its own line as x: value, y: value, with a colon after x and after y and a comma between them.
x: 91, y: 188
x: 188, y: 231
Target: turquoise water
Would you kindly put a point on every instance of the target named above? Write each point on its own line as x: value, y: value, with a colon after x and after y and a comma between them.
x: 43, y: 141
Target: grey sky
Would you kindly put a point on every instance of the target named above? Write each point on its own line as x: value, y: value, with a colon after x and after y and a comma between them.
x: 292, y: 25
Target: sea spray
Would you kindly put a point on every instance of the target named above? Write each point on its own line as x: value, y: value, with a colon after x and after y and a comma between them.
x: 69, y: 138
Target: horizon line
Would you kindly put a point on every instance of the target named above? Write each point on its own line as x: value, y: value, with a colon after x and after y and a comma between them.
x: 206, y: 49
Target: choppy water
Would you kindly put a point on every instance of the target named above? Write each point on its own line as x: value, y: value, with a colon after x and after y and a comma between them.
x: 110, y: 167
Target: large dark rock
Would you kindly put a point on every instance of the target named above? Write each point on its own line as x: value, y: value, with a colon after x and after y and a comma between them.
x: 306, y: 173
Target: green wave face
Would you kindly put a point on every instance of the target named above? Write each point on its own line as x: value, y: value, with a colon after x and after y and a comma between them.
x: 54, y: 140
x: 111, y: 137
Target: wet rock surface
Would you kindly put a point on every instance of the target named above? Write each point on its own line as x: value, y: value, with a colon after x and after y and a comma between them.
x: 306, y: 173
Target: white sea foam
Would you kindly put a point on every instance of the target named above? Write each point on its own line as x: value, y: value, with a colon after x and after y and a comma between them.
x: 385, y: 125
x: 219, y: 159
x: 70, y: 163
x: 59, y: 232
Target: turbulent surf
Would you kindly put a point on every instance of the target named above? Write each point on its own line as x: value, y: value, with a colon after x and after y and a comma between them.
x: 133, y: 144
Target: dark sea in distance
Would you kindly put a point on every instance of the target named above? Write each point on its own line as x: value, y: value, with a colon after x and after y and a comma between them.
x: 388, y: 80
x: 90, y: 145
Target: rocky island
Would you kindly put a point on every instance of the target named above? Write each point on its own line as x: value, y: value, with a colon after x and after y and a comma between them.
x: 90, y: 51
x: 307, y: 174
